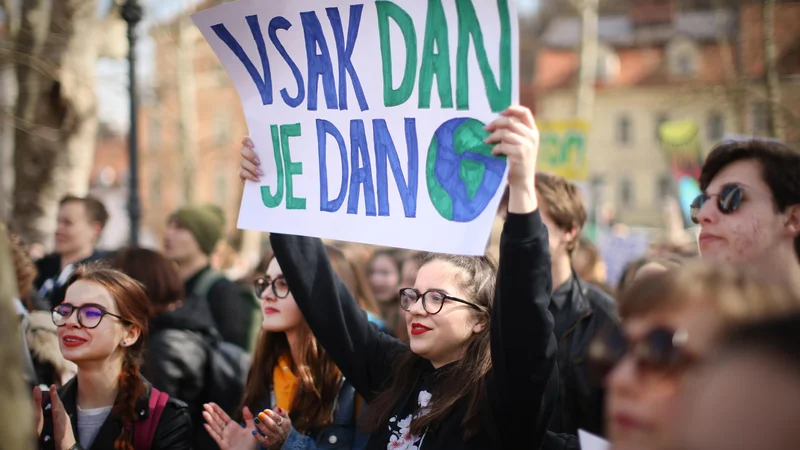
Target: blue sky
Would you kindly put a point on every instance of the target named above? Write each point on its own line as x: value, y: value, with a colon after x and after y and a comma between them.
x: 112, y: 78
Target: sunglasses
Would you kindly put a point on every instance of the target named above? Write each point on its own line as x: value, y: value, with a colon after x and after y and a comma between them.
x: 729, y: 200
x: 432, y: 301
x: 662, y: 350
x: 89, y: 315
x: 279, y: 286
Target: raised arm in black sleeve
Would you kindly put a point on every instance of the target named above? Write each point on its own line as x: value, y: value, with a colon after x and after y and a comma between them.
x: 362, y: 353
x: 523, y: 388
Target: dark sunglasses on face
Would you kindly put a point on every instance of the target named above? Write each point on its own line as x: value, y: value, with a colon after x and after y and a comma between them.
x: 662, y: 349
x: 432, y: 301
x: 89, y: 315
x: 729, y: 199
x: 279, y: 286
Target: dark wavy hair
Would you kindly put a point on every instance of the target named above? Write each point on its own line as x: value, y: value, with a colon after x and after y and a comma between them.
x: 463, y: 380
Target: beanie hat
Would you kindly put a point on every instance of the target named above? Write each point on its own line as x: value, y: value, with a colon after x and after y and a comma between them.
x: 205, y: 222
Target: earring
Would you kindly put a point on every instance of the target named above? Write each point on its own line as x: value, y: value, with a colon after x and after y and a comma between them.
x: 124, y: 343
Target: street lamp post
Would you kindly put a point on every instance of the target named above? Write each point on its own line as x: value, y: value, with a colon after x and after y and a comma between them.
x: 132, y: 14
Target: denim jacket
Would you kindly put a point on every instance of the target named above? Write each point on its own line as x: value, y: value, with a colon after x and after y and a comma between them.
x: 341, y: 435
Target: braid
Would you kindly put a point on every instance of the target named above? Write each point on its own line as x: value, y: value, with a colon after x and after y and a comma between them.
x: 131, y: 388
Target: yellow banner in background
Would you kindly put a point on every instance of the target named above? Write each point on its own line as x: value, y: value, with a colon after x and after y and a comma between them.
x: 562, y: 148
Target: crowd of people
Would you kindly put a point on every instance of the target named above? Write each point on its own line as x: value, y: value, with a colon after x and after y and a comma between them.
x: 339, y: 346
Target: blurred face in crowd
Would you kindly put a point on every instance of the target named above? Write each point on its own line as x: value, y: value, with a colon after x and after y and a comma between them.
x: 179, y: 243
x: 75, y: 232
x: 80, y: 344
x: 440, y: 338
x: 384, y: 278
x: 559, y: 239
x: 750, y: 233
x: 279, y: 310
x: 741, y: 403
x: 410, y: 269
x: 640, y: 399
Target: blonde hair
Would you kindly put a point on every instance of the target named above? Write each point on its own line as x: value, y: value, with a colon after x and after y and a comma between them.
x: 737, y: 295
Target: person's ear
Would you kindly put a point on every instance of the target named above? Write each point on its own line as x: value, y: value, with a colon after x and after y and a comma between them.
x: 793, y: 220
x: 132, y: 334
x: 480, y: 325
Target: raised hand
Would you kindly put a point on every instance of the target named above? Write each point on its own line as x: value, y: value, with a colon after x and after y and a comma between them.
x: 62, y: 426
x: 228, y: 434
x: 515, y: 135
x: 275, y: 426
x: 248, y: 164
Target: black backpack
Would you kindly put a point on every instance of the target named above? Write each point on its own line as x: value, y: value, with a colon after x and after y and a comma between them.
x: 228, y: 364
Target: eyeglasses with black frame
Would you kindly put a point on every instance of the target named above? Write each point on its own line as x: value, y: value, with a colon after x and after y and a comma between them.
x: 89, y: 315
x: 662, y: 349
x: 729, y: 199
x: 432, y: 300
x: 279, y: 286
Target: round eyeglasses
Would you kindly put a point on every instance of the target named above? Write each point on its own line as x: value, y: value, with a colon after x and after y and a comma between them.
x: 432, y: 301
x: 279, y: 286
x: 89, y: 315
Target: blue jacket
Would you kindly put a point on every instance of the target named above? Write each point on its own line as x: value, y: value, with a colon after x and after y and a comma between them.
x: 341, y: 435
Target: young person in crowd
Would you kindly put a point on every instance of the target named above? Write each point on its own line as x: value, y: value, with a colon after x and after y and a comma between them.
x: 177, y: 351
x: 453, y: 387
x: 747, y: 397
x: 385, y: 275
x: 102, y: 326
x: 80, y: 223
x: 191, y: 237
x: 671, y: 321
x: 411, y: 267
x: 299, y: 397
x: 749, y: 211
x: 581, y: 310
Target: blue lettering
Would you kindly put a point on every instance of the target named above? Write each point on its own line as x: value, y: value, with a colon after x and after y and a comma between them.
x: 319, y: 64
x: 264, y: 85
x: 386, y: 151
x: 325, y: 128
x: 280, y: 23
x: 360, y: 174
x: 344, y: 52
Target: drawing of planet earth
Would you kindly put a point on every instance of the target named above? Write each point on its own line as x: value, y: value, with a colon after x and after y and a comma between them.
x: 462, y: 174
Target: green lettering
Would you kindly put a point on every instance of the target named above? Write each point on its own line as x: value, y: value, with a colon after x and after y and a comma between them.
x: 386, y: 10
x: 499, y: 96
x: 292, y: 168
x: 435, y: 63
x: 271, y: 201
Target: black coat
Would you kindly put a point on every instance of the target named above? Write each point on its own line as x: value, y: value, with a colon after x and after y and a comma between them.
x: 232, y: 317
x: 177, y: 360
x: 174, y: 430
x: 49, y: 268
x: 521, y: 387
x: 581, y: 311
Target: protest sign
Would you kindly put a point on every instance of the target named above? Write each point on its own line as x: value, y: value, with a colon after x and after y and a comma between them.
x: 680, y: 142
x: 563, y: 148
x: 368, y: 117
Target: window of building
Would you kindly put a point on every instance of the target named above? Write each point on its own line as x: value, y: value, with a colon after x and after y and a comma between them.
x: 155, y: 189
x: 683, y: 57
x: 664, y: 188
x: 221, y: 192
x: 715, y: 127
x: 660, y: 119
x: 761, y: 118
x: 624, y: 129
x: 222, y: 127
x: 154, y: 143
x: 626, y: 194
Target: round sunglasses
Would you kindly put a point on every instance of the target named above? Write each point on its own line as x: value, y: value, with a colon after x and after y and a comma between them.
x: 662, y: 349
x: 729, y: 199
x: 432, y: 301
x: 279, y: 286
x: 89, y: 315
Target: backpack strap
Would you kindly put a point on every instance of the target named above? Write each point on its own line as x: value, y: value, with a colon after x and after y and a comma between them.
x: 145, y: 431
x: 205, y: 282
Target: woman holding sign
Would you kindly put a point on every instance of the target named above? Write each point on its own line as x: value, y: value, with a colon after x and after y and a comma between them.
x: 453, y: 387
x: 295, y: 396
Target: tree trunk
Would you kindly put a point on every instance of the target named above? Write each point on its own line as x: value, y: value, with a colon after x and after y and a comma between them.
x: 584, y: 107
x: 56, y: 111
x: 187, y: 106
x: 776, y: 124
